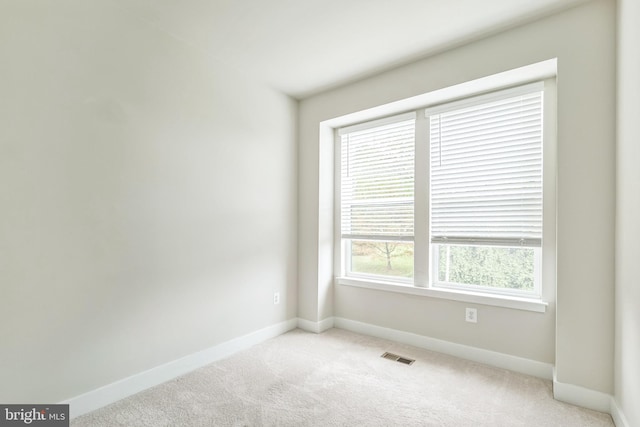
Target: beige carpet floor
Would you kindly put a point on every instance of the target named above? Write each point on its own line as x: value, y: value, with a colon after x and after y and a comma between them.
x: 338, y: 378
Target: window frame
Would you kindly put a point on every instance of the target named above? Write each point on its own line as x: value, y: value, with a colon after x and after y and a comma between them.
x: 422, y: 284
x: 347, y: 260
x: 345, y: 247
x: 536, y: 293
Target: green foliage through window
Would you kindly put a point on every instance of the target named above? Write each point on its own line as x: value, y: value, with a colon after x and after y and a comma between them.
x: 382, y: 258
x: 497, y: 267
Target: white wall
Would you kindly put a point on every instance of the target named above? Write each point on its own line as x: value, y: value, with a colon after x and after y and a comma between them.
x: 580, y: 319
x: 627, y: 360
x: 147, y: 199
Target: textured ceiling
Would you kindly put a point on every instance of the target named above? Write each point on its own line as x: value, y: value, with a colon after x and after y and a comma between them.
x: 304, y: 46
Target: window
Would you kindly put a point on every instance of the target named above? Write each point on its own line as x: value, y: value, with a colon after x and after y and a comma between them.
x: 377, y: 185
x: 460, y: 183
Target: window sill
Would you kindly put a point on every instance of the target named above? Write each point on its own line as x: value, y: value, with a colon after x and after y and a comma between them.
x: 506, y: 301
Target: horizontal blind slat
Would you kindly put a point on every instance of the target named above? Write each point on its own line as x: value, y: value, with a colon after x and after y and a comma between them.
x: 486, y: 172
x: 377, y: 182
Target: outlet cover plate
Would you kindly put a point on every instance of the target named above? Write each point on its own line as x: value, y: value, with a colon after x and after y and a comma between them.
x: 471, y: 315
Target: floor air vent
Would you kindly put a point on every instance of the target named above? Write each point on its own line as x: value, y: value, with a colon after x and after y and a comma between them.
x: 397, y: 358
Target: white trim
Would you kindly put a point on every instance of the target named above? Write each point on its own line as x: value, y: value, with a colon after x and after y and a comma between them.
x: 125, y: 387
x: 315, y: 327
x: 375, y: 123
x: 506, y: 84
x: 487, y: 357
x: 495, y: 300
x: 619, y: 419
x: 486, y: 98
x: 421, y: 203
x: 341, y: 259
x: 534, y: 295
x: 136, y: 383
x: 528, y: 73
x: 581, y: 396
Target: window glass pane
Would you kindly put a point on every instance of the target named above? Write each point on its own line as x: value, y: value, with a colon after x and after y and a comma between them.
x: 377, y: 181
x: 486, y: 173
x: 382, y: 258
x: 491, y: 266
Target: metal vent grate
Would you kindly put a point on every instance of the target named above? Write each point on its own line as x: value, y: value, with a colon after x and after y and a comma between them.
x: 397, y: 358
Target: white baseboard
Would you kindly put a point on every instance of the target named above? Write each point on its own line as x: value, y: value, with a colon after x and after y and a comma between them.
x: 581, y: 396
x: 618, y: 416
x: 569, y: 393
x: 487, y: 357
x: 113, y: 392
x: 316, y: 327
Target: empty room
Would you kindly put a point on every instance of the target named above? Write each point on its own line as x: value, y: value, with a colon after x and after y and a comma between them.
x: 320, y: 213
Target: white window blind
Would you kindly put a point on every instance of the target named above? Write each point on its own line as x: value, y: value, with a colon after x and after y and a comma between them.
x: 486, y: 172
x: 377, y: 179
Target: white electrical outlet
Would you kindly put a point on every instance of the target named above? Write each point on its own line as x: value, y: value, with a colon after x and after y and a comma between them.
x: 471, y: 315
x: 276, y: 298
